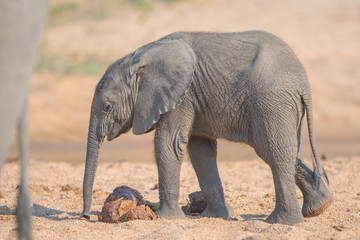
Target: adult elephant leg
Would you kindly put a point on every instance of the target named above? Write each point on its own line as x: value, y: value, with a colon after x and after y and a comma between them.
x: 202, y: 152
x: 23, y: 212
x: 316, y: 201
x: 171, y: 137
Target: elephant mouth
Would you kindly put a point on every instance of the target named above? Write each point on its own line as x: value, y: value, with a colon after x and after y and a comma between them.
x: 114, y: 133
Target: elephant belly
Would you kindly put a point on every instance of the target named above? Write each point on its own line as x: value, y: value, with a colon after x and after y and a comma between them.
x: 231, y: 129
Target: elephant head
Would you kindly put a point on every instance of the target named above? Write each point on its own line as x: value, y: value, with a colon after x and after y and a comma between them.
x: 133, y: 93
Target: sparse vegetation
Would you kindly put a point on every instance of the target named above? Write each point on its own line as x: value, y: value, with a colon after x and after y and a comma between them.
x: 63, y: 7
x: 64, y: 11
x: 68, y: 12
x: 100, y: 14
x: 143, y: 5
x: 148, y: 5
x: 48, y: 61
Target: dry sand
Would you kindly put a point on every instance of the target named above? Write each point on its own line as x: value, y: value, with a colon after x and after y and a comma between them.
x: 57, y: 202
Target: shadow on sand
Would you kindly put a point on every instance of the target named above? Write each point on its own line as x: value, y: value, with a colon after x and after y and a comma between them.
x: 57, y: 215
x: 48, y: 213
x: 252, y: 217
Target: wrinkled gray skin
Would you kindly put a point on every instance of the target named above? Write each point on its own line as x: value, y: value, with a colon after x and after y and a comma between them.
x: 21, y: 22
x: 196, y: 87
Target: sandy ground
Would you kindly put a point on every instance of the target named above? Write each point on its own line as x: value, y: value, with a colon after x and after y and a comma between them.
x: 57, y: 202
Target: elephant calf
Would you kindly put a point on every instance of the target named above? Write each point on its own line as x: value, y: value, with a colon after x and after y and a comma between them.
x: 196, y: 87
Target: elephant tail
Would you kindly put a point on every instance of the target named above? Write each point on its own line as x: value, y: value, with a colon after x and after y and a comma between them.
x: 319, y: 172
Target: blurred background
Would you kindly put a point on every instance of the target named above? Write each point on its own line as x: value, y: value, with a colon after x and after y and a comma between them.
x: 82, y: 38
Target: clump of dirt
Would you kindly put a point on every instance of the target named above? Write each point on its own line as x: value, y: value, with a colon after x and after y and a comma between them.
x: 197, y: 204
x: 126, y: 204
x: 2, y: 194
x: 39, y: 189
x: 113, y: 211
x: 69, y: 187
x: 125, y: 193
x: 141, y: 212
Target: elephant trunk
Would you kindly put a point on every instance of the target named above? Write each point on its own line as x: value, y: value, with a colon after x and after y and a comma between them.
x: 92, y: 155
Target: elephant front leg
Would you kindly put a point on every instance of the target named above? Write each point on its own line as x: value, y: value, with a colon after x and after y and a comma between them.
x: 202, y: 152
x: 169, y: 191
x: 169, y: 148
x: 316, y: 200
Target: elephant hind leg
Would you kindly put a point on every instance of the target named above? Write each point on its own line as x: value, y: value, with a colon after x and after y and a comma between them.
x: 316, y: 201
x: 202, y: 152
x: 277, y: 146
x: 274, y: 121
x: 281, y: 157
x: 287, y: 210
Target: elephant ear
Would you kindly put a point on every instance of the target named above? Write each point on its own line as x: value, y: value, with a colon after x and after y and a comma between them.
x: 164, y: 71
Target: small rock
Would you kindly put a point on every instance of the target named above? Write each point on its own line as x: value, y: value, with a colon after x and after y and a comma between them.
x: 113, y: 210
x: 141, y: 212
x: 2, y: 194
x: 270, y: 195
x: 340, y: 227
x: 156, y: 186
x: 126, y: 193
x: 197, y: 204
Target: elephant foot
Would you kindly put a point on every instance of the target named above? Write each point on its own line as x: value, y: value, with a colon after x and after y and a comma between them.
x: 220, y: 211
x: 287, y: 218
x: 317, y: 203
x: 171, y: 213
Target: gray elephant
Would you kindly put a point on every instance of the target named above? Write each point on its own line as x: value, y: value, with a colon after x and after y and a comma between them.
x: 21, y: 22
x: 194, y: 88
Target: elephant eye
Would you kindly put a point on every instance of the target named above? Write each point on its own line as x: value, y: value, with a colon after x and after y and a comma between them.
x: 107, y: 107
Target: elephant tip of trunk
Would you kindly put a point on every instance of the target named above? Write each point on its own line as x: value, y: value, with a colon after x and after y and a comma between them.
x: 85, y: 215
